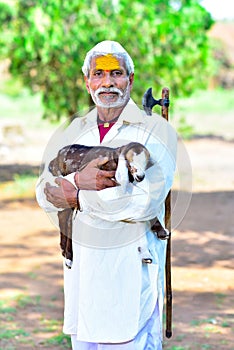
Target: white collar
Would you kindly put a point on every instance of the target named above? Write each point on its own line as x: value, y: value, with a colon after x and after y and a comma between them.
x: 131, y: 114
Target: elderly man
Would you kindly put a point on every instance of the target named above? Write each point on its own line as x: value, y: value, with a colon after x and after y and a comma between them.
x: 113, y: 300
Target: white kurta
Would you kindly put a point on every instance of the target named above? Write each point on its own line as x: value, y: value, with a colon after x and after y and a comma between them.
x: 109, y: 294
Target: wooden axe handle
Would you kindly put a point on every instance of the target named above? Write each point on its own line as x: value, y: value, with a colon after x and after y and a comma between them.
x: 164, y: 112
x: 148, y: 103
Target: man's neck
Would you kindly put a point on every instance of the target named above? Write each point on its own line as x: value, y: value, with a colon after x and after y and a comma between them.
x: 107, y: 114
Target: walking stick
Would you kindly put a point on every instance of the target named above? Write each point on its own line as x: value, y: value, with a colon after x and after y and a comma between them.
x: 148, y: 103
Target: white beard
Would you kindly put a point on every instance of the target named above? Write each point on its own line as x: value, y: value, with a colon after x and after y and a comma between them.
x: 123, y: 97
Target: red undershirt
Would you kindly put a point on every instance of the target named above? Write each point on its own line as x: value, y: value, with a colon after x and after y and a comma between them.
x: 103, y: 130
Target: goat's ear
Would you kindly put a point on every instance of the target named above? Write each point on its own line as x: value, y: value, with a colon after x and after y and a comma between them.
x: 150, y: 163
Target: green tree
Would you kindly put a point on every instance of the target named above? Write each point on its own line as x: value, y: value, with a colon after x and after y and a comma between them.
x: 166, y: 39
x: 6, y: 17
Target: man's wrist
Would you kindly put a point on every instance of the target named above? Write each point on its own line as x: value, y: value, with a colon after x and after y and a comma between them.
x: 71, y: 179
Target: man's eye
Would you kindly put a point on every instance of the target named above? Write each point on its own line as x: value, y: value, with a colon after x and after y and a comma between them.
x: 98, y: 73
x: 116, y: 73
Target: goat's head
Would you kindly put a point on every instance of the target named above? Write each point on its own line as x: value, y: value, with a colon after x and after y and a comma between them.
x: 138, y: 160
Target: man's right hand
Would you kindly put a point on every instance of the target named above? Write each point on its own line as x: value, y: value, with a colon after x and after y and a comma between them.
x: 92, y: 178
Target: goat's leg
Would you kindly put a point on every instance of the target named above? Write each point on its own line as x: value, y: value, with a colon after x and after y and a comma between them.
x: 162, y: 233
x: 65, y: 225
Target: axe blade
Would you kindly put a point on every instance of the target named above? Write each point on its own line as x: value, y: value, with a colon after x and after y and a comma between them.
x: 149, y: 102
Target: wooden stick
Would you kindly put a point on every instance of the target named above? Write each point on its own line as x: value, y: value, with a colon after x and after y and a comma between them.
x: 164, y: 112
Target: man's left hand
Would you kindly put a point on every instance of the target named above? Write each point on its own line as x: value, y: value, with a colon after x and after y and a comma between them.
x: 63, y: 195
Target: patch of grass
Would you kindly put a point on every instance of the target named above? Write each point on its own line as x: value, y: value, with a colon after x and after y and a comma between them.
x: 12, y: 333
x: 184, y: 129
x: 180, y: 337
x: 206, y: 113
x: 195, y: 323
x: 5, y: 308
x: 51, y: 325
x: 59, y: 339
x: 220, y: 298
x: 225, y: 324
x: 14, y: 303
x: 54, y: 298
x: 207, y: 102
x: 32, y: 275
x: 8, y: 318
x: 24, y: 183
x: 211, y: 329
x: 23, y: 300
x: 22, y: 186
x: 21, y: 105
x: 206, y: 347
x: 10, y: 347
x: 211, y: 320
x: 12, y: 87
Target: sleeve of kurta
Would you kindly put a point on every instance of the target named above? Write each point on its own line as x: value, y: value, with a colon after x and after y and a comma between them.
x: 144, y: 200
x: 58, y: 140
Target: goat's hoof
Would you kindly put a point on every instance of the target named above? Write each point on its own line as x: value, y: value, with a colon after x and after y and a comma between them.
x: 68, y: 263
x: 163, y: 234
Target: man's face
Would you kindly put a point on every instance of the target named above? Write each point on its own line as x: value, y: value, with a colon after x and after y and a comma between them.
x: 108, y: 82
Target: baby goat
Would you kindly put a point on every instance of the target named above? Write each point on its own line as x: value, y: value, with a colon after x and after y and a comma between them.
x: 75, y: 157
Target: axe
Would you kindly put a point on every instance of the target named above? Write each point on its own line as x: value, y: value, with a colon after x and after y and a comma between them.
x: 148, y: 103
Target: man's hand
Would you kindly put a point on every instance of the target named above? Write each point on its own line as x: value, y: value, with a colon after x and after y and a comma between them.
x: 63, y: 195
x: 92, y: 178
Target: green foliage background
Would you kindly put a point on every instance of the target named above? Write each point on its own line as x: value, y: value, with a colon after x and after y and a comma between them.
x: 46, y: 41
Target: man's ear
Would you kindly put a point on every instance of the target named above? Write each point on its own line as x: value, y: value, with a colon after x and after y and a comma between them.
x: 131, y: 79
x: 86, y: 79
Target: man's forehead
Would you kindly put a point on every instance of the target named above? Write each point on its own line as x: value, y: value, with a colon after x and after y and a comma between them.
x: 107, y: 62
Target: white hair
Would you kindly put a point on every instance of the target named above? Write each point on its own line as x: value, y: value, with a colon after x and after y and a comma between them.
x: 104, y: 48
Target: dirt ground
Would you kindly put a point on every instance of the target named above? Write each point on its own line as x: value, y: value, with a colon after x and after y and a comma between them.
x: 202, y: 257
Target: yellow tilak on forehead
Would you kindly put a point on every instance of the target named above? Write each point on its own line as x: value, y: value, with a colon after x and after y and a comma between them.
x: 107, y: 62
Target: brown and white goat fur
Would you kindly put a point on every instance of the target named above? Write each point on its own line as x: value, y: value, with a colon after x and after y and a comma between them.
x: 75, y: 157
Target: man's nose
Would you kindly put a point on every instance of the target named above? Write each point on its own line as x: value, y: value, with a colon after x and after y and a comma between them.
x: 107, y: 80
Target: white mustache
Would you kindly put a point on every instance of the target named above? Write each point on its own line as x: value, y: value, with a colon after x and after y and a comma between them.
x: 112, y: 89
